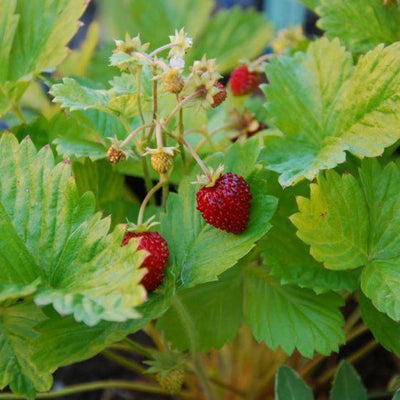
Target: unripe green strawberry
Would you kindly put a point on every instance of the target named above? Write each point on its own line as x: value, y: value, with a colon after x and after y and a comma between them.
x: 115, y: 155
x: 173, y: 81
x: 172, y: 380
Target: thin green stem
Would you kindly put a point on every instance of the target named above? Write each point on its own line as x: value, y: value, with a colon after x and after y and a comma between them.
x: 138, y: 348
x: 128, y: 364
x: 146, y: 200
x: 139, y: 93
x: 181, y: 104
x: 165, y: 193
x: 197, y: 158
x: 97, y: 385
x: 162, y: 48
x: 17, y: 111
x: 128, y: 128
x: 351, y: 359
x: 146, y: 174
x: 134, y: 132
x: 181, y: 148
x: 192, y: 337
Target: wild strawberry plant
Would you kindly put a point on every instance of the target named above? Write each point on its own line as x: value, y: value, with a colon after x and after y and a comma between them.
x: 262, y: 215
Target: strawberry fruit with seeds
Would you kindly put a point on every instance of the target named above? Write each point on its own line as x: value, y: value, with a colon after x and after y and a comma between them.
x: 156, y: 260
x: 225, y: 203
x: 243, y: 81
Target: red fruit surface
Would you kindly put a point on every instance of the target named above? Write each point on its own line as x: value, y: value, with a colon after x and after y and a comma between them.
x: 220, y: 96
x: 156, y: 260
x: 242, y: 81
x: 226, y: 205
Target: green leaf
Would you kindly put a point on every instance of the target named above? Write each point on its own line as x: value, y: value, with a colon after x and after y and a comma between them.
x: 141, y: 17
x: 240, y: 27
x: 34, y: 35
x: 397, y: 395
x: 73, y: 96
x: 315, y: 320
x: 215, y: 309
x: 76, y: 135
x: 323, y: 106
x: 16, y: 342
x: 347, y: 384
x: 289, y: 386
x: 8, y: 25
x: 351, y: 222
x: 112, y: 195
x: 360, y: 25
x: 201, y: 252
x: 312, y: 4
x: 289, y: 257
x: 58, y: 238
x: 63, y: 341
x: 385, y: 330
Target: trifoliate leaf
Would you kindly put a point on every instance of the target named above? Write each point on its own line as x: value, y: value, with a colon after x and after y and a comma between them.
x: 347, y: 384
x: 215, y: 309
x: 360, y: 25
x: 289, y: 257
x: 289, y: 386
x: 17, y: 334
x: 323, y: 106
x: 58, y: 238
x: 315, y: 320
x: 385, y: 330
x: 352, y: 222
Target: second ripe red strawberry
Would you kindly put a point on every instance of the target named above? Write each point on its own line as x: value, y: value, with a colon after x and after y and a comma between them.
x: 226, y: 204
x: 243, y: 81
x: 156, y: 260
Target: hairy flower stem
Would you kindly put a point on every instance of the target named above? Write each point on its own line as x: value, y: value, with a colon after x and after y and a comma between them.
x: 97, y: 385
x: 182, y: 103
x: 264, y: 57
x: 192, y: 337
x: 197, y: 158
x: 147, y: 198
x: 134, y: 132
x: 162, y: 48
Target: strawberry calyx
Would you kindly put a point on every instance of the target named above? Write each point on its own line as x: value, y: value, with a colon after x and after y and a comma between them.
x: 209, y: 179
x: 143, y: 227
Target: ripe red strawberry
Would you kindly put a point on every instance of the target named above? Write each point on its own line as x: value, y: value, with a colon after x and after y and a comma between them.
x: 226, y: 204
x: 157, y: 259
x: 242, y: 81
x: 220, y: 96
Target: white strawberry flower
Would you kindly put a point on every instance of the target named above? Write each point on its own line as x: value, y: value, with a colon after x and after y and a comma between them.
x: 181, y: 42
